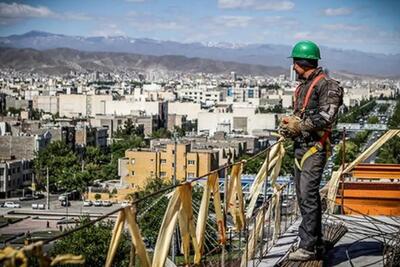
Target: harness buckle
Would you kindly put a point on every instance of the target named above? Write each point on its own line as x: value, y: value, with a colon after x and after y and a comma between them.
x: 319, y: 146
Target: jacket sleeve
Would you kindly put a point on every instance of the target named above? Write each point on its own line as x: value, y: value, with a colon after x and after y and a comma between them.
x: 329, y: 100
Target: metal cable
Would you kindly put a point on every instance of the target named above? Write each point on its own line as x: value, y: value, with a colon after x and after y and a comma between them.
x: 165, y: 189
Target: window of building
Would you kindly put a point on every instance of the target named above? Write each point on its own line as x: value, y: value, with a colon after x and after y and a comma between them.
x: 132, y: 161
x: 163, y: 174
x: 1, y: 171
x: 191, y: 162
x: 190, y: 174
x: 163, y: 161
x: 132, y: 173
x: 173, y: 165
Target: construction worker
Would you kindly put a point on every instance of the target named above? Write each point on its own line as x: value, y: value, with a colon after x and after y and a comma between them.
x: 316, y: 103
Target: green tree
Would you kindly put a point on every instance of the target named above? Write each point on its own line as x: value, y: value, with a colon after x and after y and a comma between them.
x: 149, y: 215
x: 373, y: 120
x: 190, y: 126
x: 360, y: 138
x: 14, y: 111
x: 253, y: 166
x: 390, y: 152
x: 62, y: 163
x: 161, y: 133
x: 394, y: 122
x: 356, y: 112
x: 383, y: 108
x: 351, y: 153
x: 129, y: 129
x: 179, y: 131
x: 36, y: 114
x: 92, y: 242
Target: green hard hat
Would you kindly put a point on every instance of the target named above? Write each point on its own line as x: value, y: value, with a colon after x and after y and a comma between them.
x: 306, y: 49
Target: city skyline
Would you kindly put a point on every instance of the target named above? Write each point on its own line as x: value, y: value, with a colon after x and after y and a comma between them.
x: 338, y: 24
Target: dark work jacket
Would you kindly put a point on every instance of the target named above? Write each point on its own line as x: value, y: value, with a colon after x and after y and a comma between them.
x: 322, y: 108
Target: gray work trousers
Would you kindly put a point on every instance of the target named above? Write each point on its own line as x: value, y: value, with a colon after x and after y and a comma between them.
x: 307, y: 183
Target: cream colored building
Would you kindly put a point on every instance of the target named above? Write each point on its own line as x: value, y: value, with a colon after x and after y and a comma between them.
x: 82, y: 105
x: 141, y: 165
x: 127, y: 107
x: 238, y: 121
x: 46, y: 103
x: 190, y: 109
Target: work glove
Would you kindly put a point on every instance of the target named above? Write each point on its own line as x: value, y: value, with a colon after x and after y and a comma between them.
x: 290, y: 126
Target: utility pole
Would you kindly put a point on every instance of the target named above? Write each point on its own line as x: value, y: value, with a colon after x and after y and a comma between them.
x: 174, y: 182
x: 48, y: 188
x: 175, y: 156
x: 225, y: 205
x: 132, y: 255
x: 343, y: 166
x: 174, y: 237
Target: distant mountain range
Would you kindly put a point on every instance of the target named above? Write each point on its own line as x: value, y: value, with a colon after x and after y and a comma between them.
x: 346, y: 61
x: 63, y: 60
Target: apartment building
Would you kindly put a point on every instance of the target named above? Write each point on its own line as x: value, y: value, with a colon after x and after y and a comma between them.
x: 46, y: 103
x: 74, y: 105
x: 91, y: 136
x: 14, y: 174
x: 200, y: 95
x: 238, y: 121
x: 112, y: 122
x: 143, y: 164
x: 22, y: 146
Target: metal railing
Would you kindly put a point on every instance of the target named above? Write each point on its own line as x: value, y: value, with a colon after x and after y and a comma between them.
x: 237, y: 245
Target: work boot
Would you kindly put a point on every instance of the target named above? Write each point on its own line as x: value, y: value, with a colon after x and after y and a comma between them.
x: 323, y: 247
x: 301, y: 254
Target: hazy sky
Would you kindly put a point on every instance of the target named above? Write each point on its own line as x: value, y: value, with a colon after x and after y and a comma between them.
x: 365, y: 25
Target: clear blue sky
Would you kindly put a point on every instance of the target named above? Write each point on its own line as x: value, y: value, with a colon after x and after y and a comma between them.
x: 365, y: 25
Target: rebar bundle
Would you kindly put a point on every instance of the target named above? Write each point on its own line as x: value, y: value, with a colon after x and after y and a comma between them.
x: 392, y: 252
x: 332, y: 233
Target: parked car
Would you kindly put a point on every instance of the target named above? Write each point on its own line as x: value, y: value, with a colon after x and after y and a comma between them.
x: 39, y: 206
x: 97, y: 203
x: 62, y: 197
x: 12, y: 205
x: 73, y: 195
x: 26, y: 198
x: 106, y: 203
x: 38, y: 196
x: 87, y: 203
x: 65, y: 203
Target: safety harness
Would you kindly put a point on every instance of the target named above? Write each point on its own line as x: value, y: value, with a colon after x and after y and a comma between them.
x: 324, y: 140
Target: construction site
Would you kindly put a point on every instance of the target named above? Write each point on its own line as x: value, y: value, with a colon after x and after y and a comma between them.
x: 209, y: 224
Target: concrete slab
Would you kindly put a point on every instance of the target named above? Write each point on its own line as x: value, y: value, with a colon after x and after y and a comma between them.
x: 362, y: 245
x: 281, y: 247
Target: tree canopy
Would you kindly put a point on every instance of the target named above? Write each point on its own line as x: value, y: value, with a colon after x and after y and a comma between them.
x: 92, y: 242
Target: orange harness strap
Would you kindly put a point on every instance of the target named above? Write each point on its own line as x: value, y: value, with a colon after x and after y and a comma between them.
x: 296, y: 95
x: 310, y: 91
